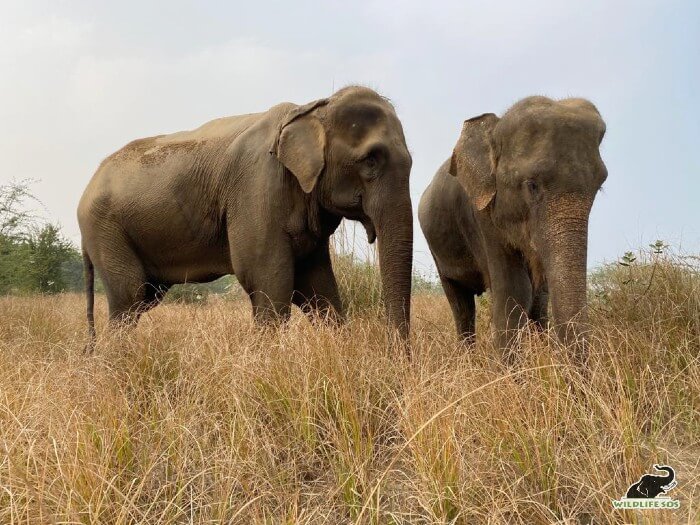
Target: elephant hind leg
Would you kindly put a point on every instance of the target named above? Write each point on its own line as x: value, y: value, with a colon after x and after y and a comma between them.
x: 126, y: 300
x: 461, y: 299
x: 125, y: 283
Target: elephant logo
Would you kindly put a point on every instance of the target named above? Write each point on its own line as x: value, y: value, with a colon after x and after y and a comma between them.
x: 651, y: 486
x: 649, y: 492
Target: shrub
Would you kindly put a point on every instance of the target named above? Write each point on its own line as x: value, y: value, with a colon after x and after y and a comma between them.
x: 654, y: 287
x: 199, y: 293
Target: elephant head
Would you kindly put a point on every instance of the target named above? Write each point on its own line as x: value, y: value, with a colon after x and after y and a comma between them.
x: 534, y: 173
x: 650, y: 486
x: 349, y: 154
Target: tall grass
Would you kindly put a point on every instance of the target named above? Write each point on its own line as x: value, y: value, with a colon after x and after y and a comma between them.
x: 356, y: 266
x: 196, y: 416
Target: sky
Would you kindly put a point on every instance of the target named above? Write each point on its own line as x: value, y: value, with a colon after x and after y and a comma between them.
x: 79, y: 79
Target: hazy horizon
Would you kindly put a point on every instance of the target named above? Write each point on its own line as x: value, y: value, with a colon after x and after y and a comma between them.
x: 82, y: 79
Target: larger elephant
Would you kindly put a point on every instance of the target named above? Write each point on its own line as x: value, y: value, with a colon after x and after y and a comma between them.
x: 509, y: 211
x: 257, y: 196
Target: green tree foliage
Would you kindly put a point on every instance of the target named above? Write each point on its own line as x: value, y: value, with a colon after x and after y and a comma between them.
x: 34, y: 258
x: 50, y: 255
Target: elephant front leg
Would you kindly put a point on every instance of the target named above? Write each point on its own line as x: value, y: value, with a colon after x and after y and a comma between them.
x: 270, y: 307
x: 511, y: 291
x: 540, y: 303
x: 269, y: 283
x: 316, y: 289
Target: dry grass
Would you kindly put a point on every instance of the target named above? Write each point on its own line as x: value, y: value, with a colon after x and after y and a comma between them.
x: 198, y: 417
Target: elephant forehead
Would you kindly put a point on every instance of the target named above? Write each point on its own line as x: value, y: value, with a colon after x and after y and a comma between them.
x: 543, y: 145
x: 355, y: 121
x: 553, y: 127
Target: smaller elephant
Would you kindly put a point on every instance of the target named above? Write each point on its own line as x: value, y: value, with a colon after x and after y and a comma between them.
x: 650, y: 485
x: 509, y: 212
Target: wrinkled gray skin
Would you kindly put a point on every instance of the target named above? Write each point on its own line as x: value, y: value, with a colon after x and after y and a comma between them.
x: 509, y: 211
x: 256, y: 196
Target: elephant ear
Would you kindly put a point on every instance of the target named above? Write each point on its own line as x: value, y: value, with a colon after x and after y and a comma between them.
x: 300, y: 144
x: 474, y: 160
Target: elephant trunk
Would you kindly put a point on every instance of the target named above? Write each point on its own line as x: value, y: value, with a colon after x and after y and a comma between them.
x: 394, y: 226
x: 565, y: 267
x: 670, y: 474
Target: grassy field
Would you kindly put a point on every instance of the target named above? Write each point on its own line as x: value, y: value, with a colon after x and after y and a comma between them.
x: 197, y: 417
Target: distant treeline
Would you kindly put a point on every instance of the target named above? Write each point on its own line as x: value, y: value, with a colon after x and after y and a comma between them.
x: 35, y: 257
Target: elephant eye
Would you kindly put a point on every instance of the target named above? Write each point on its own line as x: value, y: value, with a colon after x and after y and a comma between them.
x: 531, y: 186
x: 375, y: 156
x: 371, y: 161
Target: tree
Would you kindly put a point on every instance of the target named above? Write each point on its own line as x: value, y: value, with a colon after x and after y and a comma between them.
x: 33, y: 257
x: 49, y: 252
x: 14, y: 219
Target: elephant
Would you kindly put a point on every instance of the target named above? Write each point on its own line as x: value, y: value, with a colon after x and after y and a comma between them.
x: 258, y: 196
x: 650, y: 486
x: 509, y: 212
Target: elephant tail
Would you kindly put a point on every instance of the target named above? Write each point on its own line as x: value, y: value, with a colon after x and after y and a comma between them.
x: 89, y: 273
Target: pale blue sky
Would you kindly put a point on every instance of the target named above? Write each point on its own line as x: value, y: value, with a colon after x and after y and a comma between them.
x: 78, y: 79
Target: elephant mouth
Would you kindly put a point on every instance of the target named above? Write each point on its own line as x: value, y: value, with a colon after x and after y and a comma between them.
x: 365, y: 220
x: 355, y: 212
x: 369, y: 228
